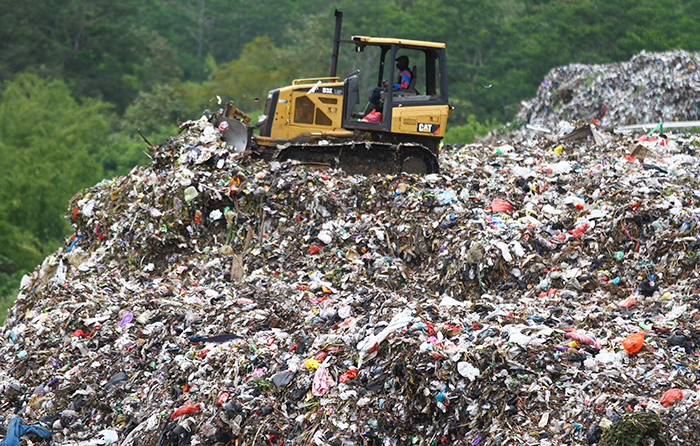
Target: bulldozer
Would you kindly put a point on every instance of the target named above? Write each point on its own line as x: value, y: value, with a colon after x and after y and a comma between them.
x: 318, y: 122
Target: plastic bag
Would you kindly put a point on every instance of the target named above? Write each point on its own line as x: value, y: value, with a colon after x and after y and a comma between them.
x: 634, y: 342
x: 322, y: 383
x: 501, y: 205
x: 187, y: 408
x: 373, y: 116
x: 671, y: 396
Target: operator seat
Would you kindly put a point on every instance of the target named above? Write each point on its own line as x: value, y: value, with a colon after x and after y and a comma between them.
x: 412, y: 84
x: 411, y: 90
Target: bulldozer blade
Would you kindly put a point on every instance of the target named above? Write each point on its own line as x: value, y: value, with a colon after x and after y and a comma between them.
x: 235, y: 133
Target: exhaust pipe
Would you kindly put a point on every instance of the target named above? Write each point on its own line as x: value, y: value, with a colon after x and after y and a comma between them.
x: 336, y: 42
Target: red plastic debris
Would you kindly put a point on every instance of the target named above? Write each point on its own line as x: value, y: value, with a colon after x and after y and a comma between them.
x: 222, y: 398
x: 187, y: 408
x: 350, y: 374
x: 671, y: 396
x: 581, y: 338
x: 373, y: 116
x: 501, y: 205
x: 578, y: 232
x: 197, y: 217
x: 85, y: 335
x: 634, y: 342
x: 628, y: 302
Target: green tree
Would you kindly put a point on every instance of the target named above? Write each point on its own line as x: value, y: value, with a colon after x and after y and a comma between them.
x: 93, y: 44
x: 466, y: 133
x: 220, y: 29
x: 156, y: 113
x: 46, y: 141
x: 261, y: 68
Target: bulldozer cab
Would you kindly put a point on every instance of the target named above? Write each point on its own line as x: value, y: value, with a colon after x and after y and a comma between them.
x: 314, y: 121
x: 402, y: 109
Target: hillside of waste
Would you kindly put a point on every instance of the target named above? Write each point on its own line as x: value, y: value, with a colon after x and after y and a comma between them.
x: 531, y: 293
x: 649, y: 88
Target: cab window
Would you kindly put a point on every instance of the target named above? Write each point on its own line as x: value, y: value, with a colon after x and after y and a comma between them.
x: 303, y: 110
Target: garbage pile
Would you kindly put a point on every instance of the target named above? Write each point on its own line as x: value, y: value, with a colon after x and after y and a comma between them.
x: 650, y: 88
x: 531, y: 293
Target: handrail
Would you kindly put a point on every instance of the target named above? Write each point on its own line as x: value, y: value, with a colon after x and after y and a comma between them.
x: 315, y: 79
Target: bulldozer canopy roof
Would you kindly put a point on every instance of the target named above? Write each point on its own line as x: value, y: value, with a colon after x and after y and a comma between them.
x: 389, y: 41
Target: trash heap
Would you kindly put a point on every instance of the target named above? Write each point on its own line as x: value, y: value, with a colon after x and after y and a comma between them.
x: 530, y: 293
x: 650, y: 88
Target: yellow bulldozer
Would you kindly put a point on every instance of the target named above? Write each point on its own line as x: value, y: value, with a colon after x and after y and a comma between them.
x: 319, y: 121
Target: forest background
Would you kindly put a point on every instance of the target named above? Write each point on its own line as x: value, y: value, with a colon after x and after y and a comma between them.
x: 78, y: 78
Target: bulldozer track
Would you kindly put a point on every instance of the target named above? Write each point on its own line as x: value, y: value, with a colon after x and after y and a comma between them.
x: 364, y: 157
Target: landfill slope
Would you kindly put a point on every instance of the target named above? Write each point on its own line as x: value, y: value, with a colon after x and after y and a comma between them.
x: 649, y: 88
x: 208, y: 298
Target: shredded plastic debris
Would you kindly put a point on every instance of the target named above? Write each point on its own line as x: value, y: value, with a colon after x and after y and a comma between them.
x: 649, y: 88
x: 209, y: 298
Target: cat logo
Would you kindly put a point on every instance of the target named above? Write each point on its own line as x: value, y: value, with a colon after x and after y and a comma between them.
x: 428, y: 128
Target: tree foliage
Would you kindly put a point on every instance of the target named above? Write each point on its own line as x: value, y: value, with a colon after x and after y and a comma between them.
x: 221, y: 28
x: 95, y: 45
x: 466, y: 133
x: 46, y: 143
x: 155, y: 114
x: 498, y: 50
x: 246, y: 80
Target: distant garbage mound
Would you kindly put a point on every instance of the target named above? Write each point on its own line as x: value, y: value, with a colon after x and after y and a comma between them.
x: 527, y: 294
x: 650, y: 88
